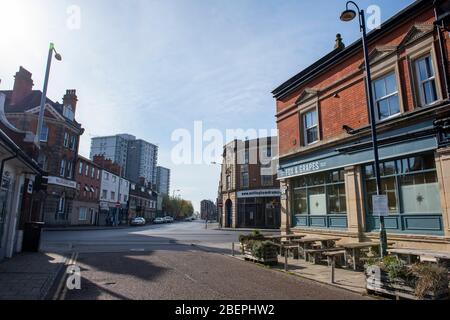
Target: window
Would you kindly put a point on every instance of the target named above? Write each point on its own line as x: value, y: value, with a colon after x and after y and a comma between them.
x: 106, y: 176
x: 320, y: 194
x: 410, y: 184
x: 245, y: 180
x: 311, y: 127
x: 83, y: 214
x: 98, y: 174
x: 386, y: 96
x: 93, y: 173
x: 228, y: 182
x: 80, y: 168
x: 73, y: 143
x: 114, y: 179
x: 247, y: 156
x: 62, y: 170
x: 44, y: 133
x: 113, y: 195
x: 104, y: 194
x: 426, y: 80
x: 66, y: 139
x: 61, y: 210
x: 68, y: 112
x: 266, y: 181
x: 69, y: 170
x: 86, y: 173
x: 125, y: 198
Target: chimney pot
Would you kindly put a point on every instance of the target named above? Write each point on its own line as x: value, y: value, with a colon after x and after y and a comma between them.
x: 339, y: 43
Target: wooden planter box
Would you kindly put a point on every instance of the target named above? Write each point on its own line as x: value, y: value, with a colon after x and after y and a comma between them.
x: 270, y: 256
x: 378, y: 281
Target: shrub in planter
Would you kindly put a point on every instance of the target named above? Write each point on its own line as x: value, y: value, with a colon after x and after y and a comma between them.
x: 429, y: 278
x: 422, y: 280
x: 263, y: 249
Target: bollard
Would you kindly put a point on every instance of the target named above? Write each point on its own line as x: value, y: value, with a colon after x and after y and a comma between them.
x: 232, y: 249
x: 285, y: 262
x: 333, y: 265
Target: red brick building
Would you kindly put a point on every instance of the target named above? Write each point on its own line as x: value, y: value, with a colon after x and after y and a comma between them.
x: 249, y: 190
x: 324, y: 134
x: 87, y: 200
x: 59, y: 145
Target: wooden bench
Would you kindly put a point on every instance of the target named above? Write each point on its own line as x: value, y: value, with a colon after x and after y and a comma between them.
x: 332, y: 255
x: 312, y: 255
x: 287, y: 248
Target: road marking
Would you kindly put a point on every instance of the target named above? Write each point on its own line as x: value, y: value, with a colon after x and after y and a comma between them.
x: 190, y: 278
x: 137, y: 250
x: 71, y: 262
x: 63, y: 278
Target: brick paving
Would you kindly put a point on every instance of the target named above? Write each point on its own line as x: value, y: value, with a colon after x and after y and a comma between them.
x: 29, y: 276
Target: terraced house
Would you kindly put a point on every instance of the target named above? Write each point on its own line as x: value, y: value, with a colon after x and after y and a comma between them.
x: 326, y: 171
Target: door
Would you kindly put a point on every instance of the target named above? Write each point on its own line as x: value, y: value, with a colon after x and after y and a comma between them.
x: 229, y: 214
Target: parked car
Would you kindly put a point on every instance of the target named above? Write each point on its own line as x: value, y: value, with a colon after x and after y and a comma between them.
x: 168, y: 219
x: 159, y: 221
x: 188, y: 219
x: 138, y: 221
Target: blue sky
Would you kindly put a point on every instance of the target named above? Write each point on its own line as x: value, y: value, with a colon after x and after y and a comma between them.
x: 150, y: 67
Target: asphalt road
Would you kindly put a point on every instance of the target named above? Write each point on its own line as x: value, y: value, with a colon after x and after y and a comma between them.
x: 171, y: 262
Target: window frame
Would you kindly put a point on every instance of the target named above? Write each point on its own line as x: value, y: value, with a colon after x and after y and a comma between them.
x: 397, y: 93
x: 304, y: 128
x: 325, y: 185
x: 62, y: 168
x: 66, y: 140
x: 420, y: 83
x: 413, y: 52
x: 45, y: 130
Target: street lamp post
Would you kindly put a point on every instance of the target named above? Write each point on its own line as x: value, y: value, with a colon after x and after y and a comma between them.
x: 44, y: 91
x: 346, y: 16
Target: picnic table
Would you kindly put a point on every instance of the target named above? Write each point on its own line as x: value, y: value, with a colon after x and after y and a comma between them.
x: 354, y: 251
x: 306, y: 243
x: 413, y: 255
x: 289, y: 237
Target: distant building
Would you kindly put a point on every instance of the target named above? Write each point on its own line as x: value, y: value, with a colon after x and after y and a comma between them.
x: 249, y: 191
x: 86, y: 202
x: 163, y: 180
x: 142, y: 161
x: 208, y: 210
x: 114, y: 148
x: 143, y: 202
x: 114, y: 195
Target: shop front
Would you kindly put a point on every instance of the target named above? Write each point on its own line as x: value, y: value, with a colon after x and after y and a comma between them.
x: 259, y: 209
x: 330, y: 191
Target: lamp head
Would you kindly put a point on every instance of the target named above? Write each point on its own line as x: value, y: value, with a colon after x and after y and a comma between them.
x: 348, y: 15
x: 58, y: 57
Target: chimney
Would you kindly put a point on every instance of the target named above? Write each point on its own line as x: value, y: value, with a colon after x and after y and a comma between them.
x: 23, y: 86
x: 339, y: 44
x: 70, y: 98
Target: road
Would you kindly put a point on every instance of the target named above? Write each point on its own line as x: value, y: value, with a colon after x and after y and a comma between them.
x: 170, y: 262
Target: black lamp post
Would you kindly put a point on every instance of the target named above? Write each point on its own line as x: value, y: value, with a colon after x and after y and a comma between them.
x: 346, y: 16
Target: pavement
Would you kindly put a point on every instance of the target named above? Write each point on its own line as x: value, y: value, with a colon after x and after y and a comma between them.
x: 30, y: 276
x: 157, y: 262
